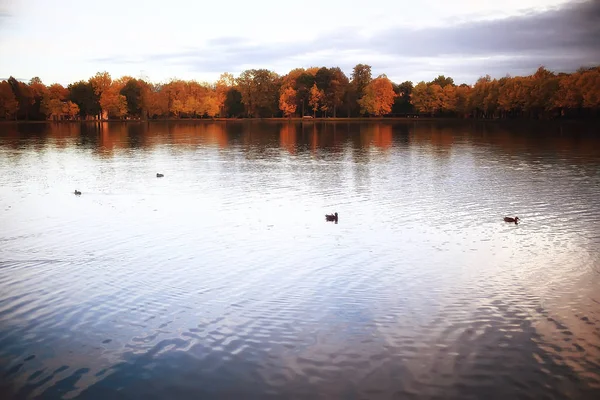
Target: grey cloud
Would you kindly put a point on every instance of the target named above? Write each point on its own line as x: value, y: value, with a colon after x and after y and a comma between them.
x: 573, y: 27
x: 562, y: 39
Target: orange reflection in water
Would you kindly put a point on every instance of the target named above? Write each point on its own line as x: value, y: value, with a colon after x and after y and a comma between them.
x: 288, y: 137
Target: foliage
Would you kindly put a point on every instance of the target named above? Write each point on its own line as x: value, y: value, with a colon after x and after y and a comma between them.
x: 262, y: 93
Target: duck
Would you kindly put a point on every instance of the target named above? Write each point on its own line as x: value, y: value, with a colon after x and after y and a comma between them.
x: 331, y: 217
x: 77, y: 192
x: 510, y: 219
x: 159, y: 175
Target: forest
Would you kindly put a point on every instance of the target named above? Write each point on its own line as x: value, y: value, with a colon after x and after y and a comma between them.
x: 317, y: 92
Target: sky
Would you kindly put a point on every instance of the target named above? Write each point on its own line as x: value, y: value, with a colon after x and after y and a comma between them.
x: 65, y: 41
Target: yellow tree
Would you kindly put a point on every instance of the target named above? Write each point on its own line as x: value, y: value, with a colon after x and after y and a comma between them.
x: 112, y: 102
x: 177, y: 107
x: 315, y: 98
x: 379, y: 96
x: 211, y: 105
x: 101, y: 82
x: 287, y: 101
x: 192, y: 106
x: 158, y: 102
x: 448, y: 98
x: 589, y: 82
x: 226, y: 81
x: 52, y: 101
x: 462, y: 94
x: 177, y: 91
x: 70, y: 109
x: 8, y: 102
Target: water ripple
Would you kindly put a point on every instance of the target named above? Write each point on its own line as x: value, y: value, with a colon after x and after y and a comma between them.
x: 222, y: 279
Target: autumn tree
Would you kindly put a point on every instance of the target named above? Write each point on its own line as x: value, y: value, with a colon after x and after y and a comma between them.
x: 315, y: 98
x: 8, y: 102
x: 24, y: 97
x: 335, y: 94
x: 427, y: 98
x: 56, y: 105
x: 379, y: 97
x: 461, y: 102
x: 101, y: 83
x: 226, y: 81
x: 304, y: 83
x: 38, y: 89
x: 112, y: 102
x: 589, y: 83
x: 443, y: 81
x: 211, y: 105
x: 542, y: 88
x: 287, y: 101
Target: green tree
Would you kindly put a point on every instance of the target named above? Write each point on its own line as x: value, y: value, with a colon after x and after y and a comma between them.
x: 303, y: 84
x: 82, y: 93
x: 134, y: 95
x: 402, y: 104
x: 233, y: 103
x: 443, y: 81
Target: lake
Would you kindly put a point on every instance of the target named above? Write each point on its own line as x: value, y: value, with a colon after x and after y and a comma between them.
x: 222, y: 279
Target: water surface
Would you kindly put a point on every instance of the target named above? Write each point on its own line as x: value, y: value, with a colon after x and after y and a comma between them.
x: 223, y: 279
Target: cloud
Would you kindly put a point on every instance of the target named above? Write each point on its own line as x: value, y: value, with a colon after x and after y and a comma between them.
x: 562, y: 38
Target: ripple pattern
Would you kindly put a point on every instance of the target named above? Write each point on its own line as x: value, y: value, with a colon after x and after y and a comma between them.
x: 223, y: 280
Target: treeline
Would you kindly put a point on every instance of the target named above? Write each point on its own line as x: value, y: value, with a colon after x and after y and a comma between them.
x: 319, y: 92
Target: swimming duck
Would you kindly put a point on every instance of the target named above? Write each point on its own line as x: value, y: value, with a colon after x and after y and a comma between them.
x: 159, y: 175
x: 331, y: 217
x: 77, y: 192
x: 510, y: 219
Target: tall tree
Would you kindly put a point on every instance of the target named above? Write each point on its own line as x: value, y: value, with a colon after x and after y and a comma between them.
x: 402, y: 104
x: 260, y: 92
x: 226, y: 81
x: 361, y: 77
x: 101, y: 83
x: 8, y: 102
x: 287, y: 101
x: 82, y: 93
x: 133, y: 91
x: 233, y: 103
x: 316, y: 96
x: 379, y: 97
x: 337, y: 89
x: 304, y: 83
x: 443, y: 81
x: 24, y: 96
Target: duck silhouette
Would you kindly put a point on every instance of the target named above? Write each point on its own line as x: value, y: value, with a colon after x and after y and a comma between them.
x: 159, y: 175
x: 511, y: 219
x: 331, y: 217
x: 77, y: 192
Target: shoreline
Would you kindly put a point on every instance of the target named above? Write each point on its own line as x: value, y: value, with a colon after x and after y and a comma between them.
x: 308, y: 121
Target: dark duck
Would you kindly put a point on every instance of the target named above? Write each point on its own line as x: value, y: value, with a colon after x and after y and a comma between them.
x: 511, y: 219
x: 77, y: 192
x: 159, y: 175
x: 331, y: 217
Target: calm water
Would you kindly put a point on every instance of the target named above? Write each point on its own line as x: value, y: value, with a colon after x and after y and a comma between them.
x: 223, y: 280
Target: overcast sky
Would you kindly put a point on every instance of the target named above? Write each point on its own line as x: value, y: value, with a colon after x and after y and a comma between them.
x: 68, y: 40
